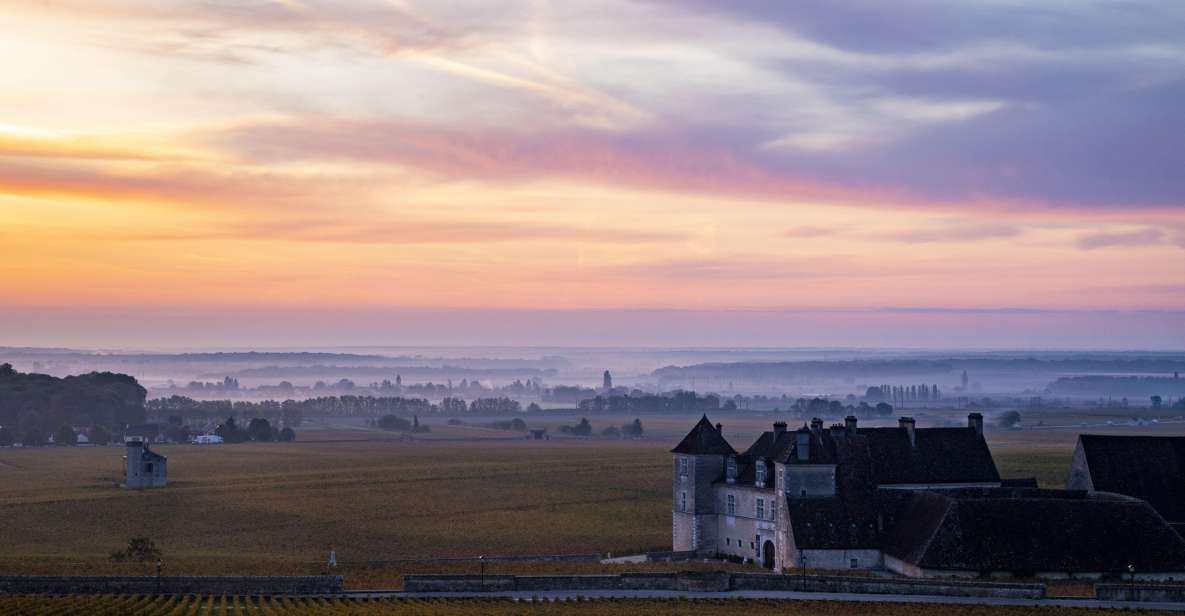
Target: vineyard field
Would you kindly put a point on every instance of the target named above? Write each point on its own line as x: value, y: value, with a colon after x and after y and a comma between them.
x: 141, y: 605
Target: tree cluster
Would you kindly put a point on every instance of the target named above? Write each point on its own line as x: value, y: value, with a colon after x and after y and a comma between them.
x: 33, y: 406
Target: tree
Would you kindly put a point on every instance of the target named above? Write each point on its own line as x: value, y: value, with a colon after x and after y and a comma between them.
x: 583, y: 428
x: 99, y: 435
x: 6, y: 437
x: 1157, y: 401
x: 394, y: 423
x: 287, y: 435
x: 1009, y: 420
x: 65, y: 435
x: 611, y: 431
x: 33, y: 438
x: 884, y: 409
x: 259, y: 429
x: 230, y: 431
x: 533, y: 408
x: 633, y: 429
x: 140, y: 549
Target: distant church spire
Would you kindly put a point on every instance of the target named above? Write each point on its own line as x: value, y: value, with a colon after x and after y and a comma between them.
x: 608, y: 384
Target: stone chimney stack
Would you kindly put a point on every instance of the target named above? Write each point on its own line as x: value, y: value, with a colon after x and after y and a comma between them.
x: 802, y: 444
x: 779, y: 428
x: 975, y: 422
x: 816, y: 426
x: 720, y: 429
x: 849, y: 423
x: 909, y: 424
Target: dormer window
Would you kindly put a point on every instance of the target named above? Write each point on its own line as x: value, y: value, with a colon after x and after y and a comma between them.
x: 760, y: 470
x: 730, y: 472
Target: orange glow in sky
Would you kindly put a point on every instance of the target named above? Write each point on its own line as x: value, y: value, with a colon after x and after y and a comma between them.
x: 326, y: 159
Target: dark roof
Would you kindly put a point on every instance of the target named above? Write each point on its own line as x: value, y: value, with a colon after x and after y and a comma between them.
x: 831, y: 524
x: 147, y: 454
x: 940, y: 455
x: 1151, y: 468
x: 771, y: 445
x: 704, y: 439
x: 1019, y: 482
x: 1029, y: 531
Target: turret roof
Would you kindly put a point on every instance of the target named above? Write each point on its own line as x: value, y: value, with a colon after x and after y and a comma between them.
x: 704, y: 439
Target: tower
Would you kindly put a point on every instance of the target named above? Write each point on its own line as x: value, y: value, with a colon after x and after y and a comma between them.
x: 698, y: 461
x: 608, y: 382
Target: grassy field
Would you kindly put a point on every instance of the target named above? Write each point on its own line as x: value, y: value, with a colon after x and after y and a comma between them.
x: 382, y: 503
x: 229, y: 606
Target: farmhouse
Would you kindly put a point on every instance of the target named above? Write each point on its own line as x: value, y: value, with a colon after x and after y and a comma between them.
x: 1151, y: 468
x: 916, y: 501
x: 145, y: 468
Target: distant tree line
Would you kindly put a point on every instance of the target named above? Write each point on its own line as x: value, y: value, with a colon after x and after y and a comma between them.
x: 35, y: 406
x: 674, y: 402
x: 293, y: 411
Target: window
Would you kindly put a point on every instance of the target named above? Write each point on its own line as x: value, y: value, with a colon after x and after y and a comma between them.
x: 773, y: 510
x: 760, y: 473
x: 760, y: 509
x: 855, y: 563
x: 804, y: 491
x: 148, y: 468
x: 730, y: 472
x: 682, y: 466
x: 682, y: 501
x: 728, y: 541
x: 732, y: 505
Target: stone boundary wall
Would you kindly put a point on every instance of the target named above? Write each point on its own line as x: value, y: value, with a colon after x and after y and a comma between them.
x: 717, y: 581
x: 885, y: 586
x: 1139, y: 592
x: 231, y: 585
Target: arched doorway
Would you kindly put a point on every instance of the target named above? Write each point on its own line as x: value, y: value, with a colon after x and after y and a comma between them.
x: 767, y: 555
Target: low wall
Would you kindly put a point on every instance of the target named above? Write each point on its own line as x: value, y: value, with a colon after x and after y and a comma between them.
x: 884, y: 586
x: 1139, y: 592
x: 717, y: 581
x: 231, y: 585
x: 694, y: 581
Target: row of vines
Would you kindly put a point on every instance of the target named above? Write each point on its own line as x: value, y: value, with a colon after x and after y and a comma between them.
x: 206, y: 605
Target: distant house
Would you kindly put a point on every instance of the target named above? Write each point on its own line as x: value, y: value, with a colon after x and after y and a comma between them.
x: 145, y: 468
x: 537, y: 435
x: 207, y: 439
x: 1151, y: 468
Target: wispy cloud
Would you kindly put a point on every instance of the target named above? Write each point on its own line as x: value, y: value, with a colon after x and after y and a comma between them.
x: 963, y: 232
x: 1142, y: 237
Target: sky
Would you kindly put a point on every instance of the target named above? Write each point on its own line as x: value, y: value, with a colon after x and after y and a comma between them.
x: 273, y: 173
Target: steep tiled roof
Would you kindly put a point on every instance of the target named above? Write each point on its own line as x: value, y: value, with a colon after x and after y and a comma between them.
x: 1028, y: 531
x: 1151, y: 468
x: 771, y: 445
x: 940, y: 455
x: 704, y: 439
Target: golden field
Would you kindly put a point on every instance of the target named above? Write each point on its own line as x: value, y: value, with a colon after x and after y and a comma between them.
x: 387, y: 506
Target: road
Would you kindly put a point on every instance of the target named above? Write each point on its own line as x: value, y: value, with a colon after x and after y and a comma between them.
x: 784, y: 595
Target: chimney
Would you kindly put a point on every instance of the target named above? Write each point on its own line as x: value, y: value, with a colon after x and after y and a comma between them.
x: 837, y: 431
x: 720, y: 429
x: 908, y: 423
x: 975, y: 422
x: 816, y: 426
x: 803, y: 445
x: 849, y: 422
x: 779, y: 428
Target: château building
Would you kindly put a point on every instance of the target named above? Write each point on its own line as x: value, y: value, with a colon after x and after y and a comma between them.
x: 914, y: 501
